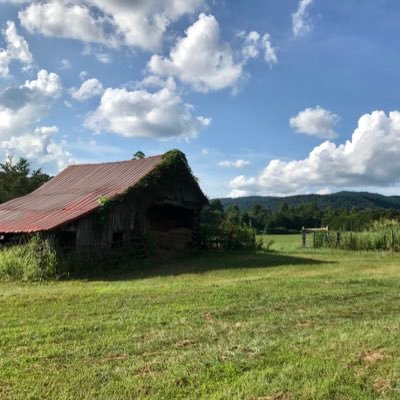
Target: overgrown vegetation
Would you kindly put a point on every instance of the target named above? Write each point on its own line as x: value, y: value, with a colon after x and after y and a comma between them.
x: 99, y: 218
x: 37, y: 260
x: 382, y: 235
x: 33, y: 261
x: 220, y: 230
x: 174, y: 168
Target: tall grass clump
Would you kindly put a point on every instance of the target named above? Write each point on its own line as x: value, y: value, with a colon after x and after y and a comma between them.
x: 33, y: 261
x: 382, y: 235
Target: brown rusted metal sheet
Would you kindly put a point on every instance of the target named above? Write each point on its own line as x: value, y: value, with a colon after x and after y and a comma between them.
x: 72, y: 194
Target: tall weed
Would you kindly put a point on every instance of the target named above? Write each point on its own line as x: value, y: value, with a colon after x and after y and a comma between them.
x: 33, y: 261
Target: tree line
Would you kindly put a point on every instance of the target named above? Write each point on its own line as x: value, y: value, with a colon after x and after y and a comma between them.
x: 289, y: 219
x: 349, y: 200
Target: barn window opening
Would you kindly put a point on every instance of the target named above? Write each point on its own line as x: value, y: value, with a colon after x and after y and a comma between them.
x: 67, y: 239
x: 117, y: 240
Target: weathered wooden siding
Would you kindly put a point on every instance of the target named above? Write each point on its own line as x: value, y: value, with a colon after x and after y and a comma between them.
x: 123, y: 220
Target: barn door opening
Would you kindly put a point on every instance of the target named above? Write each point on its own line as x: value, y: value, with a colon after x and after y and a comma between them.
x: 171, y: 228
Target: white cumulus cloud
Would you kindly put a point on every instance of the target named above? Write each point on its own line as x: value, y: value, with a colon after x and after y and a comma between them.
x: 200, y: 58
x: 254, y: 44
x: 143, y: 23
x: 234, y: 164
x: 48, y: 83
x: 371, y: 158
x: 90, y: 88
x: 13, y: 121
x: 316, y: 122
x: 160, y: 114
x: 269, y: 51
x: 65, y: 19
x: 16, y: 49
x: 21, y: 110
x: 301, y: 23
x: 110, y: 23
x: 4, y: 62
x: 40, y: 148
x: 203, y: 60
x: 251, y: 48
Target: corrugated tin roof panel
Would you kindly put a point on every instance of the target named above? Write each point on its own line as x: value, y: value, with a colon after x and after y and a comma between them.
x: 71, y: 194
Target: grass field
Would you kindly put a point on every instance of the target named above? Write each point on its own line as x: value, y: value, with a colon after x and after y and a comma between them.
x: 287, y: 325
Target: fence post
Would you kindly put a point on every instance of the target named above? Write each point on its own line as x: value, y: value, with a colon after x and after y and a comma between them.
x: 303, y: 237
x: 338, y: 238
x: 392, y: 233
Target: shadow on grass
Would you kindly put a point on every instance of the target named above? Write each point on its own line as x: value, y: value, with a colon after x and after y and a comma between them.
x: 202, y: 263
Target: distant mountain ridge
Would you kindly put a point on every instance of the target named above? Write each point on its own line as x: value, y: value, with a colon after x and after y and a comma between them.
x: 346, y: 200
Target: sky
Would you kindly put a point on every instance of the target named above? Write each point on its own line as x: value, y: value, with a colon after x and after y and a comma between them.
x: 264, y: 97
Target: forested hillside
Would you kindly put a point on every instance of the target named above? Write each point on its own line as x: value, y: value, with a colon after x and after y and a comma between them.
x: 341, y: 200
x: 291, y: 218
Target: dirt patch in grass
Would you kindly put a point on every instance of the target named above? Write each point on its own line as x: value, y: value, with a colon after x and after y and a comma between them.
x: 371, y: 357
x: 209, y: 317
x: 185, y: 343
x: 304, y: 324
x: 381, y: 384
x: 145, y: 370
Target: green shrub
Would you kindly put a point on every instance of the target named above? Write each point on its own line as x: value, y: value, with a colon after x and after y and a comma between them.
x: 230, y: 236
x: 34, y: 261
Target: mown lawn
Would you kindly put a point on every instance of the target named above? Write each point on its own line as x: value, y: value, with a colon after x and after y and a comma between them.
x: 292, y: 324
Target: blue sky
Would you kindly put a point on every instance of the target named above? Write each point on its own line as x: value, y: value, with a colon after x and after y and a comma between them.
x: 265, y: 97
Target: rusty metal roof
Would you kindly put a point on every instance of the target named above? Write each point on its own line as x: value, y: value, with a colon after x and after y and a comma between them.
x: 71, y: 194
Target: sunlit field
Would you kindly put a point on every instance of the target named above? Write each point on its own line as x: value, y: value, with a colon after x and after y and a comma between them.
x: 290, y: 323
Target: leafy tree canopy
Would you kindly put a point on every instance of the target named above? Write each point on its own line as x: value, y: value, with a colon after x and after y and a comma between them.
x: 17, y: 179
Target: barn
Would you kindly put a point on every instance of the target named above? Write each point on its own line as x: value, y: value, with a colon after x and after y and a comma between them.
x: 95, y: 208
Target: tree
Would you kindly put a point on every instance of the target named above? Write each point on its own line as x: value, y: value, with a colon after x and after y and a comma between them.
x: 233, y: 214
x: 213, y: 214
x: 259, y: 217
x: 17, y: 180
x: 245, y: 219
x: 138, y: 155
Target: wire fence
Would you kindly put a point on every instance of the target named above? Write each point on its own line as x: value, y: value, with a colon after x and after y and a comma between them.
x: 387, y: 239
